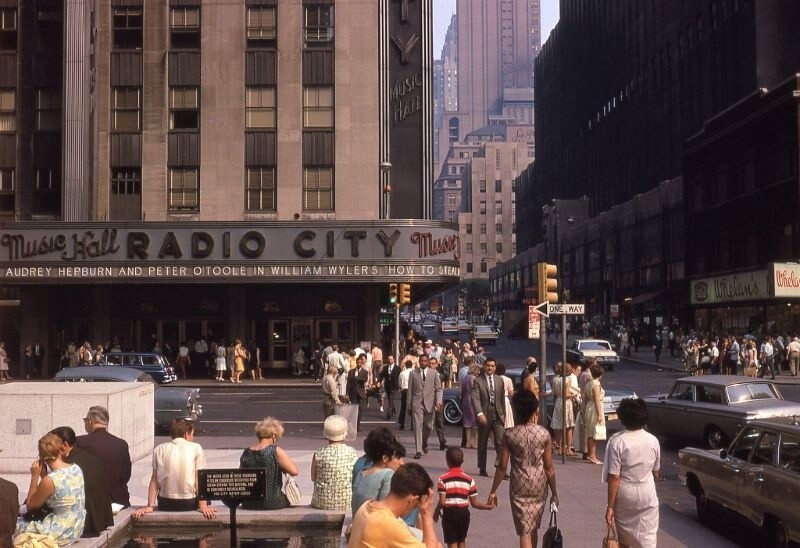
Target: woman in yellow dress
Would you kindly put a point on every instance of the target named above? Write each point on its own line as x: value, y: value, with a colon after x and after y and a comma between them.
x: 239, y: 356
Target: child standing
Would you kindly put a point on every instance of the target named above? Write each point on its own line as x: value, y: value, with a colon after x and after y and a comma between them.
x: 457, y: 491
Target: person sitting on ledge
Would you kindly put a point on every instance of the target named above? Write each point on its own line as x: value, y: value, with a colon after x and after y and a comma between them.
x: 174, y: 480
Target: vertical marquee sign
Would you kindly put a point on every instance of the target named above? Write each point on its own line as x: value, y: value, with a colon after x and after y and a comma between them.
x: 407, y: 120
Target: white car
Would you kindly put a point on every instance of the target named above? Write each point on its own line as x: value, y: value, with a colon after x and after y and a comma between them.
x: 448, y: 328
x: 599, y: 349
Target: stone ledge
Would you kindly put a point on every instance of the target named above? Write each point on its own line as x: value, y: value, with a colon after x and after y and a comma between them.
x: 294, y: 517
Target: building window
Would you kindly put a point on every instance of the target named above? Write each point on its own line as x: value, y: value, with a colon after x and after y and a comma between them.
x: 47, y: 198
x: 126, y: 109
x: 183, y: 108
x: 8, y: 29
x: 318, y: 26
x: 469, y: 268
x: 469, y: 248
x: 498, y: 247
x: 46, y: 179
x: 127, y: 28
x: 482, y: 207
x: 484, y: 249
x: 497, y: 159
x: 469, y: 229
x: 514, y: 185
x: 513, y: 208
x: 451, y: 199
x: 452, y: 217
x: 483, y: 228
x: 261, y: 26
x: 48, y: 109
x: 260, y: 189
x: 125, y: 203
x: 498, y: 186
x: 498, y: 207
x: 318, y: 189
x: 184, y: 27
x: 483, y: 267
x: 184, y: 189
x: 318, y: 107
x: 260, y: 107
x: 8, y: 110
x: 7, y: 201
x: 482, y: 186
x: 498, y: 228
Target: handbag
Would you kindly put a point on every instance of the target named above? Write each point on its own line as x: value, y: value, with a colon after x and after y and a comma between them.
x: 599, y: 432
x: 553, y: 537
x: 291, y: 490
x: 611, y: 540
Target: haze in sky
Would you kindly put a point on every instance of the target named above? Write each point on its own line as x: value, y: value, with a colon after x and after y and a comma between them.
x: 443, y: 10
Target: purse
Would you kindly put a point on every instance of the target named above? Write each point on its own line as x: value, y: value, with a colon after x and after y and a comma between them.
x: 599, y: 432
x: 553, y: 537
x: 291, y: 490
x: 611, y: 540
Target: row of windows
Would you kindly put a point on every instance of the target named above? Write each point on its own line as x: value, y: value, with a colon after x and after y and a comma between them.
x: 498, y: 228
x: 184, y: 27
x: 184, y: 108
x: 470, y: 268
x: 183, y: 188
x: 48, y: 109
x: 498, y: 207
x: 498, y: 185
x: 498, y: 247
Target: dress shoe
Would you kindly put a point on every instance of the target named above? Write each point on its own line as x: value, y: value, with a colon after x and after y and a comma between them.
x: 418, y: 456
x: 425, y: 450
x: 483, y: 473
x: 442, y: 447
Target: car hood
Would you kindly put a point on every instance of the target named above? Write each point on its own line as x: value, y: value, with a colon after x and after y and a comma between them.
x: 598, y: 352
x: 762, y: 409
x: 615, y: 395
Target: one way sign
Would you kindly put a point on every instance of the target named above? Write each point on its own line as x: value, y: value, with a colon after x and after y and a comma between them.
x: 566, y: 309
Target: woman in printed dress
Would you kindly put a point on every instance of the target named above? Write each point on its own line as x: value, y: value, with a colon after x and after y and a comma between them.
x: 266, y: 454
x: 62, y: 490
x: 332, y: 468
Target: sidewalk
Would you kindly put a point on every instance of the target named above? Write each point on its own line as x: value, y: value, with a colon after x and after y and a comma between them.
x: 581, y: 493
x: 646, y: 356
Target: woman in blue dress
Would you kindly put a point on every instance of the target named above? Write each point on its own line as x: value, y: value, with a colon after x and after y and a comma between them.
x: 62, y: 490
x: 266, y: 454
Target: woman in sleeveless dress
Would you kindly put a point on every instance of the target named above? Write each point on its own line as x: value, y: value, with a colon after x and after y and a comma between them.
x: 563, y: 424
x: 527, y: 445
x: 593, y: 413
x: 239, y: 355
x: 219, y: 361
x: 62, y: 489
x: 266, y: 454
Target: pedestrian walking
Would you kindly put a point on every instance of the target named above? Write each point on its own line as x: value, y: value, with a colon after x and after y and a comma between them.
x: 402, y: 382
x: 488, y: 398
x: 438, y: 416
x: 330, y: 391
x: 424, y: 397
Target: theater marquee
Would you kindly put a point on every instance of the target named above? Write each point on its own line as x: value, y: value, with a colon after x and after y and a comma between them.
x: 424, y: 251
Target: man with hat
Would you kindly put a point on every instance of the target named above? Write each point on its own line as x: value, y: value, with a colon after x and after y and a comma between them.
x: 111, y: 451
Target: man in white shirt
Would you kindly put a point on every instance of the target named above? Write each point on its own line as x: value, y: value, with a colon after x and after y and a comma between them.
x: 402, y: 382
x: 334, y: 356
x: 793, y: 355
x: 767, y: 357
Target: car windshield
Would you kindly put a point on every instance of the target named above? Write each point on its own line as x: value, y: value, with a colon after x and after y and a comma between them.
x: 739, y: 393
x: 594, y: 345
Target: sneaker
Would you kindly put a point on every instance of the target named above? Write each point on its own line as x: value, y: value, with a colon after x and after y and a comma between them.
x: 381, y: 409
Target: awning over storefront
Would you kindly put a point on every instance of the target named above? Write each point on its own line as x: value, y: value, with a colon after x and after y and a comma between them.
x: 643, y: 298
x: 418, y: 251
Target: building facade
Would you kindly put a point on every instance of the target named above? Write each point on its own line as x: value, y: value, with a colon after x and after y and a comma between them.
x: 190, y: 169
x: 620, y: 86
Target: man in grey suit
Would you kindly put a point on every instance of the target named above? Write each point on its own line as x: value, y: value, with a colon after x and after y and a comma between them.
x: 425, y: 397
x: 488, y: 397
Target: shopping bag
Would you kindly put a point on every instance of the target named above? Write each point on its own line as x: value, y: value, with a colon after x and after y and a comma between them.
x: 350, y: 412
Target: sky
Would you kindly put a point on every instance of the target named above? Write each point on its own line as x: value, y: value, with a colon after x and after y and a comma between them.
x: 443, y: 10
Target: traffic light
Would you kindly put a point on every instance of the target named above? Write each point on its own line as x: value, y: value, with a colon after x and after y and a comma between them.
x: 405, y: 293
x: 548, y: 282
x: 393, y: 293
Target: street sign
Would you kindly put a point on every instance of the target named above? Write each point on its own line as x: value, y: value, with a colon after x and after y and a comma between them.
x: 566, y: 309
x: 533, y: 323
x: 542, y: 309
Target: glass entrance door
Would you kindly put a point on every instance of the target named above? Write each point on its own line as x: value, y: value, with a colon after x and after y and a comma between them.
x: 278, y: 344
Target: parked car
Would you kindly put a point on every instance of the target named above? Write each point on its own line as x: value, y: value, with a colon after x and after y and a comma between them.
x: 155, y: 365
x: 429, y: 326
x: 464, y: 326
x: 449, y: 328
x: 171, y: 402
x: 451, y: 399
x: 712, y: 408
x: 485, y: 334
x: 757, y: 477
x: 599, y: 349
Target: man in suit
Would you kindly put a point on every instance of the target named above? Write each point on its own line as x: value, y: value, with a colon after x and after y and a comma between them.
x: 9, y: 508
x: 488, y: 397
x: 390, y: 375
x: 98, y: 500
x: 425, y: 397
x: 38, y: 358
x: 438, y: 416
x: 111, y: 451
x: 357, y: 386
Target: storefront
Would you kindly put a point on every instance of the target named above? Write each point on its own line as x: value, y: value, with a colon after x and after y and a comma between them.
x: 282, y: 285
x: 757, y: 301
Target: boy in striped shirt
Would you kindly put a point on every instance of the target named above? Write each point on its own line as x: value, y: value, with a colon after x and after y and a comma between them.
x: 457, y: 491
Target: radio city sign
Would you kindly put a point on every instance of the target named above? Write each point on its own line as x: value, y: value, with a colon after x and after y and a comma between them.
x: 248, y: 251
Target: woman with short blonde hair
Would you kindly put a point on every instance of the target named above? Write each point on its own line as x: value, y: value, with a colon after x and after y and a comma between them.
x: 269, y: 428
x: 266, y: 454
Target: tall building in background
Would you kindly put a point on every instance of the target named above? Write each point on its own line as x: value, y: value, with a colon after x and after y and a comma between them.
x: 446, y: 95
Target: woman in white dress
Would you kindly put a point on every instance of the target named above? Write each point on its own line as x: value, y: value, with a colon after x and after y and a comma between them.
x: 562, y: 424
x: 633, y: 459
x: 220, y: 363
x: 508, y: 384
x: 3, y: 362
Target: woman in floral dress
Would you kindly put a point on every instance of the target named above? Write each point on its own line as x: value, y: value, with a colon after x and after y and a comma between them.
x: 332, y: 468
x: 527, y: 445
x: 266, y: 454
x: 62, y: 489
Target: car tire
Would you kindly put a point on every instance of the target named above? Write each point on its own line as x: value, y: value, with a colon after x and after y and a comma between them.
x: 704, y: 508
x: 714, y: 437
x: 452, y: 413
x: 777, y: 534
